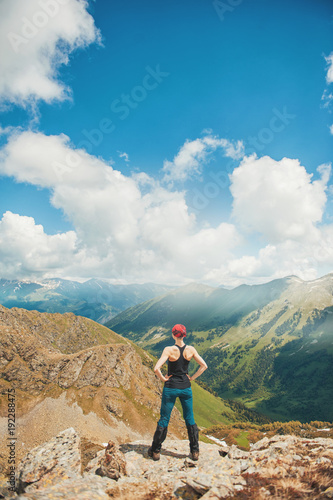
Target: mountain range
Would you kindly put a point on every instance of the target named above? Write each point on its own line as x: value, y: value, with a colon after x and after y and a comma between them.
x: 96, y: 299
x: 269, y: 346
x: 68, y: 371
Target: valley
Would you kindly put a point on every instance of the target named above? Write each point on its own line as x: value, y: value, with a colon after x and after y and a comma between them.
x: 269, y: 346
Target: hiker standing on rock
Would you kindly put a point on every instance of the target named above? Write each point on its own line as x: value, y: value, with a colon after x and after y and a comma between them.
x: 177, y: 384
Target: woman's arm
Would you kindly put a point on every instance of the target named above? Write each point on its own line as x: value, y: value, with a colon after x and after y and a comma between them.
x: 160, y: 363
x: 201, y: 362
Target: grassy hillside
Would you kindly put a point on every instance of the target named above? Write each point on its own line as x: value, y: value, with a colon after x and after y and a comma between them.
x: 211, y: 410
x: 280, y: 377
x: 268, y: 346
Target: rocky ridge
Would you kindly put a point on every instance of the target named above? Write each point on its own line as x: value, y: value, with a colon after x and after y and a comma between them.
x: 277, y: 467
x: 58, y: 363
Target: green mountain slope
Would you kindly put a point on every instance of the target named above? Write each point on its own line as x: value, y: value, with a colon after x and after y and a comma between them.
x: 199, y: 307
x: 269, y: 346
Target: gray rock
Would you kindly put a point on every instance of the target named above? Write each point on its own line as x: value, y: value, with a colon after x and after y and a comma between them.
x: 201, y: 485
x: 50, y: 463
x: 216, y: 493
x: 325, y: 442
x: 236, y: 453
x: 299, y: 470
x: 224, y: 491
x: 245, y: 464
x: 212, y: 494
x: 4, y: 491
x: 323, y: 460
x: 259, y: 445
x: 212, y: 477
x: 93, y: 465
x: 82, y: 488
x: 254, y: 470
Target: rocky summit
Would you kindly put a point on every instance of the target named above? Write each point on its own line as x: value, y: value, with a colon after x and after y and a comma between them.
x: 278, y: 467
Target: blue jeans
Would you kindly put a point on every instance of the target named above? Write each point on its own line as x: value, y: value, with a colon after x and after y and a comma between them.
x: 169, y: 396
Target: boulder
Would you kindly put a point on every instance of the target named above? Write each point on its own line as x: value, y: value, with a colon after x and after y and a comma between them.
x: 82, y: 488
x: 113, y: 463
x: 50, y: 463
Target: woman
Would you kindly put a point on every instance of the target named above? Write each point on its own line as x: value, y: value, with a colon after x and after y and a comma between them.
x: 177, y: 384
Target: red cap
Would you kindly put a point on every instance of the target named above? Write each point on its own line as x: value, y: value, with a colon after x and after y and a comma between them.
x: 179, y: 331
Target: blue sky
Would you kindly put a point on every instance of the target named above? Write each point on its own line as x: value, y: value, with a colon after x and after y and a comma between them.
x: 166, y: 141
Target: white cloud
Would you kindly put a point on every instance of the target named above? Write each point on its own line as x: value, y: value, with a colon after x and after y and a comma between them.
x: 327, y: 97
x: 130, y: 228
x: 193, y: 154
x: 307, y: 260
x: 278, y: 199
x: 123, y: 155
x: 329, y: 75
x: 37, y: 37
x: 331, y: 129
x: 276, y: 261
x: 124, y: 226
x: 26, y: 250
x: 102, y: 203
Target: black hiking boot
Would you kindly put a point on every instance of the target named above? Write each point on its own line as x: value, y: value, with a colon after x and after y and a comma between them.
x: 159, y: 437
x: 193, y: 435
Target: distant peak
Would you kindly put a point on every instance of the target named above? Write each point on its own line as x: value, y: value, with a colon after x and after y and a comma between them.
x: 294, y: 278
x: 195, y: 287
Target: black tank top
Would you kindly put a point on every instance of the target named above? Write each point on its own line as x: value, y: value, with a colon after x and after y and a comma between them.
x: 178, y: 369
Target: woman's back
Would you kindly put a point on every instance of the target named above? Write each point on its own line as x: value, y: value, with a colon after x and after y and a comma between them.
x: 173, y: 352
x: 178, y: 368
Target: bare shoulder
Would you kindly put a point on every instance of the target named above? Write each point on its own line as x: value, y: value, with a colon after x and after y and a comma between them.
x: 168, y: 350
x: 189, y: 352
x: 191, y: 349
